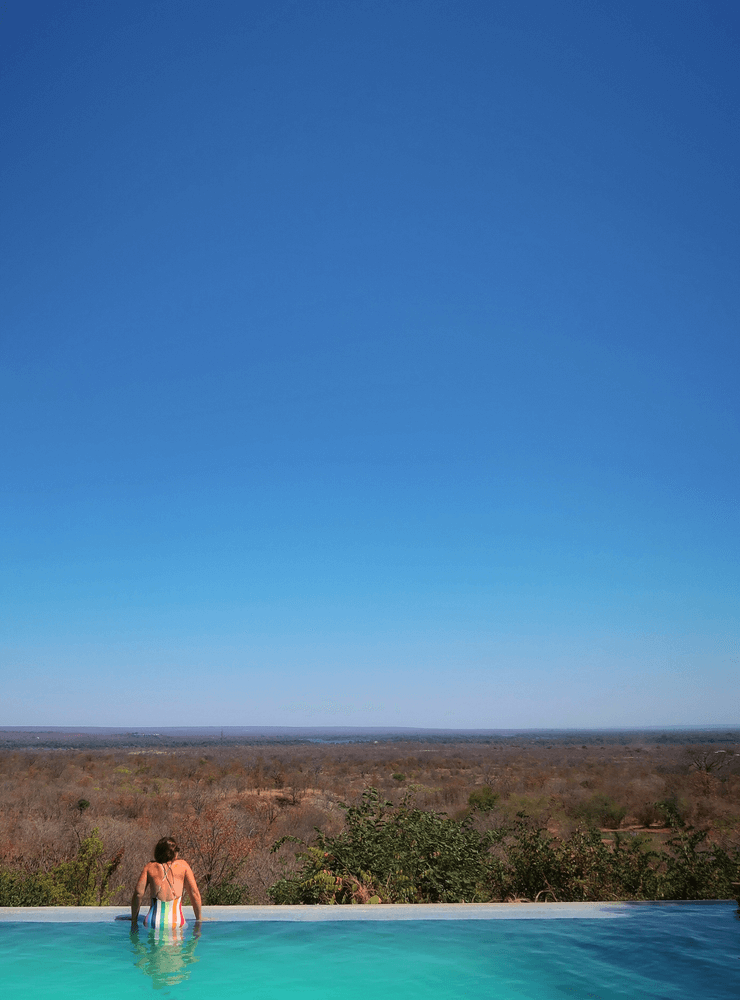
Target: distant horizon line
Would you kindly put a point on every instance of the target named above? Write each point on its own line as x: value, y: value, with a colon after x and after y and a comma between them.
x: 154, y: 730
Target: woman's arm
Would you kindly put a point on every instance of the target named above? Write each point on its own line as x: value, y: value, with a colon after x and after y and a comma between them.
x: 193, y: 891
x: 138, y: 895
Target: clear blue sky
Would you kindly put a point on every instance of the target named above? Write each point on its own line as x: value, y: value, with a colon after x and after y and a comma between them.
x: 370, y: 363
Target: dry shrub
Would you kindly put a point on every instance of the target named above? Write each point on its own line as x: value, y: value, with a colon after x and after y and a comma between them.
x: 216, y: 848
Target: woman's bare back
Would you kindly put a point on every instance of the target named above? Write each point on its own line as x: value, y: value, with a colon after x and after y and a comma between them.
x: 167, y: 881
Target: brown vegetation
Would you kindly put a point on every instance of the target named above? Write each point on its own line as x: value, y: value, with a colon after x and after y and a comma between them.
x: 229, y: 805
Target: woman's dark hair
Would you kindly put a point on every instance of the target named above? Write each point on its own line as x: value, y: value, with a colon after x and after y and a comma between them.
x: 165, y: 850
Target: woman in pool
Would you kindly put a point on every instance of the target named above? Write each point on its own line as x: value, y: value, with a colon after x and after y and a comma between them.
x: 166, y: 878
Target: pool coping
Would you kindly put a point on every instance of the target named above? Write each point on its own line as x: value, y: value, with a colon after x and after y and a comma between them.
x: 385, y: 911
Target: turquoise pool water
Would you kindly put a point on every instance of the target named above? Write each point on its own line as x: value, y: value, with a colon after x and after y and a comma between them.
x: 670, y: 952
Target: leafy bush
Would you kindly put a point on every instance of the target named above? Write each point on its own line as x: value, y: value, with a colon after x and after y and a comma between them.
x: 225, y: 894
x: 27, y: 889
x: 648, y: 814
x: 83, y: 881
x: 408, y: 855
x: 398, y: 776
x: 391, y: 855
x: 692, y: 873
x: 670, y: 812
x: 483, y: 799
x: 581, y: 868
x: 601, y: 811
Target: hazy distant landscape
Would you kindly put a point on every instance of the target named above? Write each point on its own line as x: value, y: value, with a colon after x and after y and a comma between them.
x: 102, y: 737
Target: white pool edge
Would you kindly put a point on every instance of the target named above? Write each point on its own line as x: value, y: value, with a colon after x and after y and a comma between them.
x: 392, y: 911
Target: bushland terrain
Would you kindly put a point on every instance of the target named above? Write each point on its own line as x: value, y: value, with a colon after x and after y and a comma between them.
x: 557, y: 806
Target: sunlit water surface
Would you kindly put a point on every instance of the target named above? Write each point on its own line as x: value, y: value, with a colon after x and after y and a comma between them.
x: 672, y: 952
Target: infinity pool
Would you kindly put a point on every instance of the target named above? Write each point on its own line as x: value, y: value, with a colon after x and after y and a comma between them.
x: 630, y: 952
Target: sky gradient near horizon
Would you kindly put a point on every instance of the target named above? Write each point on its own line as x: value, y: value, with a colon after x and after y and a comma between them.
x: 370, y: 363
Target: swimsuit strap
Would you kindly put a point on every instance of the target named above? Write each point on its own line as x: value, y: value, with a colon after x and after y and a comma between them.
x: 165, y: 878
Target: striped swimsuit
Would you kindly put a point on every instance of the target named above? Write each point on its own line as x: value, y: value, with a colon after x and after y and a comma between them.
x: 165, y: 914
